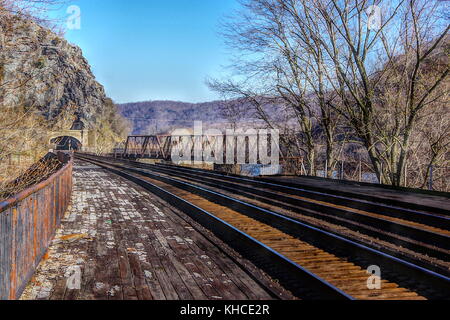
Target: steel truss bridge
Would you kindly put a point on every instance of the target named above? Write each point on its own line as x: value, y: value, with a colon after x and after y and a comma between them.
x: 161, y: 146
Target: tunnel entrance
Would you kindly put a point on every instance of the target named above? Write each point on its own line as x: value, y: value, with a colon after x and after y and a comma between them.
x: 66, y: 143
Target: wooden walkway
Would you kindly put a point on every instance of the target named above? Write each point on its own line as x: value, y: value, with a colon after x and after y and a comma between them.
x: 120, y: 242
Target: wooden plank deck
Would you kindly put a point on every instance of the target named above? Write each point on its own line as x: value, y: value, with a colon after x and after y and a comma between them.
x: 119, y: 242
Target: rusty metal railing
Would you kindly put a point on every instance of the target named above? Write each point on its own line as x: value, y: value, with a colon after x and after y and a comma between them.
x: 28, y: 222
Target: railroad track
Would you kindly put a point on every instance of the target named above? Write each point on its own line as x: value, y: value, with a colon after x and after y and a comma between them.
x: 416, y: 236
x: 310, y: 262
x: 420, y: 232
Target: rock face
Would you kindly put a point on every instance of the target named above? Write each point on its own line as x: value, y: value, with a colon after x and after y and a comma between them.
x: 40, y: 69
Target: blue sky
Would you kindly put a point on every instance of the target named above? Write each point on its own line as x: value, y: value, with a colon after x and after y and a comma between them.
x: 153, y: 49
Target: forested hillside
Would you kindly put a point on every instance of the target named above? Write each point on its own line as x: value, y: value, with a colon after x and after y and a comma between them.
x: 163, y: 116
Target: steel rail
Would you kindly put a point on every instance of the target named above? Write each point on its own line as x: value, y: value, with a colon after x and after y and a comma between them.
x: 350, y: 200
x: 387, y: 203
x: 441, y: 220
x: 315, y: 210
x: 420, y: 277
x: 292, y: 276
x: 312, y: 209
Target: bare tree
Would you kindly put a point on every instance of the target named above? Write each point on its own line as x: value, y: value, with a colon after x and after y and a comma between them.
x: 377, y: 67
x: 282, y: 68
x: 36, y: 10
x: 382, y: 80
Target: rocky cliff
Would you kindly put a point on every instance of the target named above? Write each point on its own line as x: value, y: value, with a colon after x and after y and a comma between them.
x: 40, y: 69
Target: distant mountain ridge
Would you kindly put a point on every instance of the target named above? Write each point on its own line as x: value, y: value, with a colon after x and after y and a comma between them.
x: 151, y: 117
x: 162, y: 117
